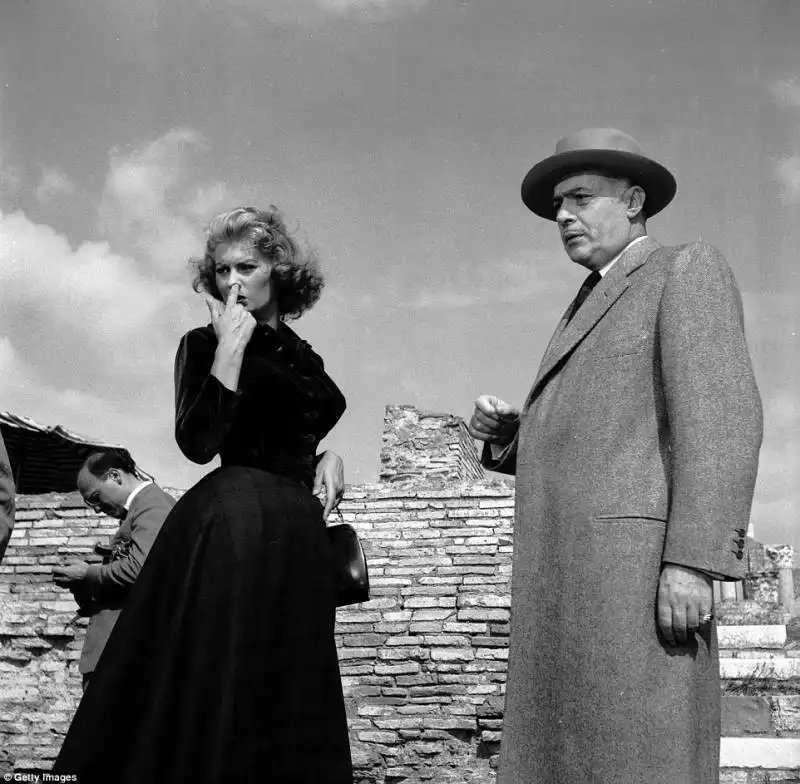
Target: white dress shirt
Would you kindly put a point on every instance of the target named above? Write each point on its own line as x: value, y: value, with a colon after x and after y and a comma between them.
x: 136, y: 492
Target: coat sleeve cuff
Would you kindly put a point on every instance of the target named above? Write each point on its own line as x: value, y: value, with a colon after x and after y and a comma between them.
x: 504, y: 463
x: 725, y: 567
x: 93, y: 575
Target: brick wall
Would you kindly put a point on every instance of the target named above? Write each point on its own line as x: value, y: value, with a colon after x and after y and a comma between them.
x: 423, y: 664
x: 40, y: 639
x: 424, y: 444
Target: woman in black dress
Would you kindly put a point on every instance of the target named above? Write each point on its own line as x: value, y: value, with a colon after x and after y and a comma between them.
x: 223, y: 665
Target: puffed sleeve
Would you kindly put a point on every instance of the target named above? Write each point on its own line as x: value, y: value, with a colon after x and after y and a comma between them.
x: 204, y: 408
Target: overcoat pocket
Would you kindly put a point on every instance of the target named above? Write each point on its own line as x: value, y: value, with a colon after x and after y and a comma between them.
x: 621, y: 346
x: 626, y: 536
x: 621, y: 519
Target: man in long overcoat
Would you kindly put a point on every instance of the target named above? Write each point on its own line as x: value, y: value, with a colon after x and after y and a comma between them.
x: 635, y: 457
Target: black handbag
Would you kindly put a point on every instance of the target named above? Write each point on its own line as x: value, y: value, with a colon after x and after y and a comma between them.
x: 352, y: 578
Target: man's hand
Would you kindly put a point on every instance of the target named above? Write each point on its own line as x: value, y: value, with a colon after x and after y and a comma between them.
x: 329, y: 481
x: 685, y: 596
x: 493, y: 421
x: 71, y: 574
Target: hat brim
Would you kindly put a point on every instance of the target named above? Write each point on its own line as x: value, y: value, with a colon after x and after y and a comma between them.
x: 537, y: 188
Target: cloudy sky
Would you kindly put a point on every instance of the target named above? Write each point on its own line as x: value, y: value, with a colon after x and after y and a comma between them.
x: 394, y: 134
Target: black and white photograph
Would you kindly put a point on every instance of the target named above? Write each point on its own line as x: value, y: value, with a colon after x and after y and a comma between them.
x: 400, y: 391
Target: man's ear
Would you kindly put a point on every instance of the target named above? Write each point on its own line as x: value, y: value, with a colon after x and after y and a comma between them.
x: 636, y: 197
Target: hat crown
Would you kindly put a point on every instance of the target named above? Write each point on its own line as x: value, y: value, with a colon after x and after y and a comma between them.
x: 599, y: 139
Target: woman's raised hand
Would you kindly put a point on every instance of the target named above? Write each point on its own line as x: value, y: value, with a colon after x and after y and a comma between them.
x: 232, y: 323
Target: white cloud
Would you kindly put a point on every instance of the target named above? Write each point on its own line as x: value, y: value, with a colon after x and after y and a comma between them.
x: 112, y: 308
x: 787, y: 171
x: 150, y: 207
x: 380, y: 9
x: 312, y: 12
x: 25, y: 391
x: 11, y: 177
x: 53, y: 185
x: 526, y: 277
x: 91, y: 299
x: 89, y: 330
x: 777, y: 497
x: 786, y: 92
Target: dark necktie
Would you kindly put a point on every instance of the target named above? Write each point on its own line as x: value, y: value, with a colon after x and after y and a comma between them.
x: 584, y: 292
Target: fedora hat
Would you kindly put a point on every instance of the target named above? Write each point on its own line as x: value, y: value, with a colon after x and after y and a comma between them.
x: 605, y: 150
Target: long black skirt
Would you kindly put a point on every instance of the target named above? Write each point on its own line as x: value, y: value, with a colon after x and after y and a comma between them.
x: 222, y: 666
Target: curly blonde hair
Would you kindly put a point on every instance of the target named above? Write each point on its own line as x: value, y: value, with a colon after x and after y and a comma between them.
x: 295, y: 271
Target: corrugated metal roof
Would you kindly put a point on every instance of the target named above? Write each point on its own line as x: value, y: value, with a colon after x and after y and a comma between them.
x: 45, y: 459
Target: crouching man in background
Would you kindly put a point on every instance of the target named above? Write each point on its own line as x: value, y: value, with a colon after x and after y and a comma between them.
x: 110, y: 483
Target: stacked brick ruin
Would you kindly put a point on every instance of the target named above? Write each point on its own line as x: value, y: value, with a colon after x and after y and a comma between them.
x: 423, y: 664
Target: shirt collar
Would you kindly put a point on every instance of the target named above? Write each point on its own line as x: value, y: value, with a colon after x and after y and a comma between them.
x: 613, y: 261
x: 136, y: 492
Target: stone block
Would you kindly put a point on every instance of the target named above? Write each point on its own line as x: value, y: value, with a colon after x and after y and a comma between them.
x: 744, y: 715
x: 757, y: 669
x: 464, y: 627
x: 398, y: 722
x: 404, y: 668
x: 786, y: 715
x: 346, y: 654
x: 425, y: 627
x: 441, y: 580
x: 427, y: 590
x: 500, y: 654
x: 751, y: 636
x: 452, y: 654
x: 754, y: 753
x: 360, y: 616
x: 436, y: 640
x: 374, y: 736
x: 468, y: 599
x: 432, y: 615
x: 397, y: 616
x: 402, y: 654
x: 481, y: 614
x: 734, y: 776
x: 421, y: 602
x: 392, y: 628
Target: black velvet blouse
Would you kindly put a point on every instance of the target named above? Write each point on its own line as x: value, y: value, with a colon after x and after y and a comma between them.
x: 285, y: 405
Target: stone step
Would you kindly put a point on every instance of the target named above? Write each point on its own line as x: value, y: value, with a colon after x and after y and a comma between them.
x: 769, y: 753
x: 760, y: 668
x: 743, y: 637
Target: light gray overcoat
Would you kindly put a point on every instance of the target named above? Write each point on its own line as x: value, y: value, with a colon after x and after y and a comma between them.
x: 638, y: 445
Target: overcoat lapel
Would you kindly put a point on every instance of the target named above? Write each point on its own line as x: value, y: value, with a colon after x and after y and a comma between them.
x: 568, y: 335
